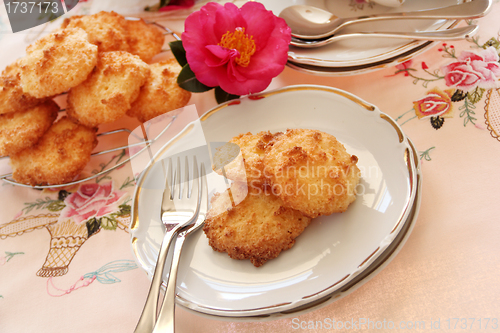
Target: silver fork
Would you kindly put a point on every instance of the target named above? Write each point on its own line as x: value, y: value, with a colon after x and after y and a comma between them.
x: 178, y: 210
x: 166, y: 317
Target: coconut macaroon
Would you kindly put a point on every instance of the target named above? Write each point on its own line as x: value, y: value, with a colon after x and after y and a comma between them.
x: 106, y: 30
x: 249, y: 166
x: 311, y: 172
x: 112, y: 32
x: 58, y: 157
x: 12, y: 96
x: 109, y: 91
x: 258, y: 228
x: 145, y: 40
x: 22, y: 129
x: 12, y: 70
x: 57, y: 62
x: 161, y: 93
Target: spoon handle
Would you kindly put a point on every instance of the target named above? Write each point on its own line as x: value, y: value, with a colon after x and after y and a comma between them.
x: 444, y: 35
x: 472, y: 9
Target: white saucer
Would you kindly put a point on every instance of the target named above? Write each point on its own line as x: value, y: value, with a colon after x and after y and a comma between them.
x: 363, y: 69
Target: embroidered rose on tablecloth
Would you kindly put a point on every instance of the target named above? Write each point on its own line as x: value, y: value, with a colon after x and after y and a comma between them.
x: 435, y: 103
x: 471, y: 70
x: 91, y: 201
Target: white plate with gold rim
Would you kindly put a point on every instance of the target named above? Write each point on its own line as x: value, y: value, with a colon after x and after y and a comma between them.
x: 363, y: 51
x: 334, y: 252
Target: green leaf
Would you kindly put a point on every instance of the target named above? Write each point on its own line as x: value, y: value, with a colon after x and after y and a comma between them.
x: 492, y: 42
x: 124, y: 210
x: 93, y: 226
x: 164, y: 3
x: 62, y: 195
x: 476, y: 95
x: 426, y: 154
x: 221, y: 96
x: 56, y: 206
x: 437, y: 122
x: 468, y: 112
x: 108, y: 223
x: 128, y: 182
x: 458, y: 96
x: 178, y: 51
x: 187, y: 80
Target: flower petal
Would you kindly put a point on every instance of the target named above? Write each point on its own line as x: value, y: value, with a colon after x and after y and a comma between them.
x: 490, y: 55
x: 88, y: 190
x: 469, y: 56
x: 104, y: 211
x: 227, y: 18
x: 260, y: 23
x: 221, y: 56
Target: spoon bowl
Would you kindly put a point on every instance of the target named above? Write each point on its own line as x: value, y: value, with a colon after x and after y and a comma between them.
x: 308, y: 22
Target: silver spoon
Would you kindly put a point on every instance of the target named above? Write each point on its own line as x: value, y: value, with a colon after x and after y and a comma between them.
x: 309, y: 22
x: 444, y: 35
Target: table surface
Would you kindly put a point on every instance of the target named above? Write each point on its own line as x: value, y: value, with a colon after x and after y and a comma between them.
x: 445, y: 276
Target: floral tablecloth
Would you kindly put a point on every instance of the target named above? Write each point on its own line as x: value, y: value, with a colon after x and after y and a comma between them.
x: 65, y: 258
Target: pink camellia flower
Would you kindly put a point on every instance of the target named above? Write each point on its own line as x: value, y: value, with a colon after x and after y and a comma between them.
x: 91, y: 200
x: 177, y: 4
x: 239, y: 49
x: 435, y: 103
x: 473, y: 70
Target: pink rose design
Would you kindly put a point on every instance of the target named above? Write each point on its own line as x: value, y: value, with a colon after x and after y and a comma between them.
x: 91, y: 200
x: 473, y: 70
x: 238, y: 49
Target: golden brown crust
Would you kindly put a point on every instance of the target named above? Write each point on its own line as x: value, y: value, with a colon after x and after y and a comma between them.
x: 12, y: 96
x: 144, y: 40
x: 259, y: 227
x: 106, y: 30
x: 249, y: 166
x: 58, y: 157
x: 108, y: 92
x: 161, y: 93
x: 311, y: 172
x: 12, y: 70
x: 110, y: 31
x: 20, y: 130
x: 57, y: 62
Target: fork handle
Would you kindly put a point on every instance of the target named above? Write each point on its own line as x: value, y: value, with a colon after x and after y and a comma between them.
x: 148, y: 317
x: 166, y: 317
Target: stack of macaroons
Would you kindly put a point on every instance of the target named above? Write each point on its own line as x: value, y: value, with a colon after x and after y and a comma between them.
x: 104, y: 62
x: 281, y: 181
